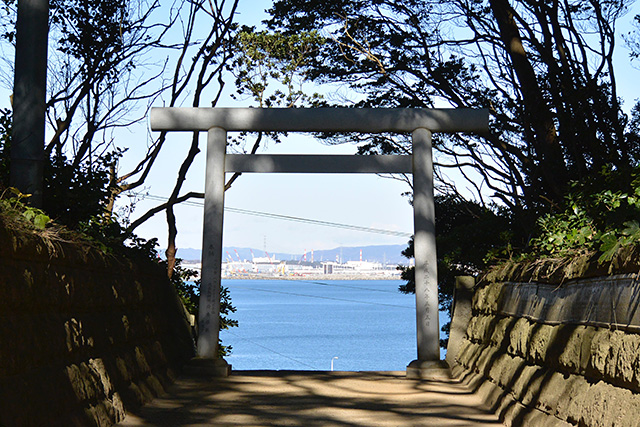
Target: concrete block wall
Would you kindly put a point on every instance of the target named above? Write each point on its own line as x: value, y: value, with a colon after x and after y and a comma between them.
x: 556, y: 342
x: 83, y: 335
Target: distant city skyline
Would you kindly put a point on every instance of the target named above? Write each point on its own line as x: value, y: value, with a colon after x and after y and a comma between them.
x: 385, y: 254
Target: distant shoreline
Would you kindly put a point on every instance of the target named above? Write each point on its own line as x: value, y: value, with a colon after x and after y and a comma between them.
x: 326, y: 277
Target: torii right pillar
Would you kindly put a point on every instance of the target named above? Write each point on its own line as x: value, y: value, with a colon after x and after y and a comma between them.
x: 428, y: 364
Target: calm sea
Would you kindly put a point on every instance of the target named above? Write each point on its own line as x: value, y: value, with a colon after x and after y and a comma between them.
x: 305, y: 324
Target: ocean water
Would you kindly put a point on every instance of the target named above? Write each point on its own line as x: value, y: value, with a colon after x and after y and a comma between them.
x: 305, y: 324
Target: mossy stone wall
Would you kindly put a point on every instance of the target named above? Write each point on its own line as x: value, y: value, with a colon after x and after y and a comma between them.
x: 83, y: 335
x: 556, y: 342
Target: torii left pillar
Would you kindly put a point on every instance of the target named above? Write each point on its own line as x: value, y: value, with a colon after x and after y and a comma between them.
x: 209, y: 314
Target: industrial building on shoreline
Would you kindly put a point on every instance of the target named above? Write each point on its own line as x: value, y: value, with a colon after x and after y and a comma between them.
x: 270, y: 267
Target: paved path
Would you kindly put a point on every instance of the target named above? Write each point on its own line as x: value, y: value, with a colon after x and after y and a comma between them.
x: 312, y: 398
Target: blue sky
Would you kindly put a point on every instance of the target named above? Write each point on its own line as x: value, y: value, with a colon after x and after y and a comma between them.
x: 364, y: 200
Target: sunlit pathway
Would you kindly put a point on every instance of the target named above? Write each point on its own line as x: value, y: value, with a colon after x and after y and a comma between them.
x: 312, y: 398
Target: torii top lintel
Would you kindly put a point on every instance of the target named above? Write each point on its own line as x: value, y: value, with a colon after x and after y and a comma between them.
x: 367, y: 120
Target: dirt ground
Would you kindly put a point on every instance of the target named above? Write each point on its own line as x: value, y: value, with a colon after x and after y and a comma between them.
x: 312, y: 398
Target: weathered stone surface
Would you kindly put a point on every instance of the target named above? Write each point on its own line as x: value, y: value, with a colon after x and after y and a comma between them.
x: 521, y: 385
x: 627, y: 360
x: 576, y: 350
x: 67, y: 357
x: 570, y: 407
x: 552, y: 392
x: 480, y: 327
x: 485, y: 359
x: 511, y: 370
x: 538, y: 418
x: 497, y: 368
x: 487, y: 297
x: 519, y: 338
x: 532, y: 391
x: 466, y: 353
x: 585, y: 351
x: 559, y: 339
x: 539, y: 343
x: 604, y: 405
x: 501, y: 331
x: 600, y: 346
x: 631, y: 411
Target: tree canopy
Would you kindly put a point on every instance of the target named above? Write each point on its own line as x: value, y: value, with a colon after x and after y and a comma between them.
x: 544, y: 69
x: 109, y: 61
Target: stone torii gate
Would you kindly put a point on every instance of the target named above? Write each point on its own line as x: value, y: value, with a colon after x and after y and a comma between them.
x: 419, y: 122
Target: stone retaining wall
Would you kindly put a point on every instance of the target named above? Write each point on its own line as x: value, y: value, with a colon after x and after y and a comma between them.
x: 83, y: 335
x: 550, y: 344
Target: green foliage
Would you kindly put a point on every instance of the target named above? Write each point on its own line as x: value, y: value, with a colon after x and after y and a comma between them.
x: 14, y: 208
x: 101, y: 78
x: 72, y: 195
x: 266, y: 58
x: 109, y: 236
x: 555, y: 113
x: 188, y: 290
x: 182, y: 280
x: 600, y: 214
x: 465, y: 233
x: 571, y: 230
x: 93, y: 32
x: 271, y: 69
x: 76, y: 198
x: 612, y: 241
x: 226, y: 308
x: 75, y: 195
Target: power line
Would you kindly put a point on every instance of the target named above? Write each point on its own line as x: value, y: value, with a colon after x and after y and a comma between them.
x: 293, y: 218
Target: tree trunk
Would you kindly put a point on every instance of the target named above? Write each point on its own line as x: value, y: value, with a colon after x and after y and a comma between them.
x: 548, y: 157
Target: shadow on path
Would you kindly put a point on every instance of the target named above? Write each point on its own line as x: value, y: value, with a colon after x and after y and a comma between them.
x: 314, y: 398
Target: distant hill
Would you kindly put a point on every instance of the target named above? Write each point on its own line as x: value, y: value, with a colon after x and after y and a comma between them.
x: 389, y: 254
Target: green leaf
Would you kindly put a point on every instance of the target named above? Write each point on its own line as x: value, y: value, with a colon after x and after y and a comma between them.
x: 41, y: 221
x: 29, y: 214
x: 609, y: 246
x: 632, y: 228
